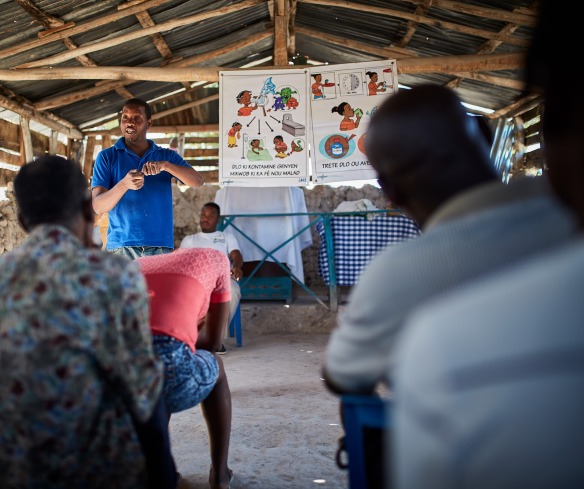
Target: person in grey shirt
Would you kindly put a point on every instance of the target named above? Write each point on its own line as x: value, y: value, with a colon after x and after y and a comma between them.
x: 433, y: 161
x: 490, y: 379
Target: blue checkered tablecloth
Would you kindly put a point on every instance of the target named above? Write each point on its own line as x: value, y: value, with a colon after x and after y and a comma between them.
x: 356, y: 240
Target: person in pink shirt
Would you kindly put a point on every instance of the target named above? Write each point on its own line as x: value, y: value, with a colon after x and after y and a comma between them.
x: 190, y: 292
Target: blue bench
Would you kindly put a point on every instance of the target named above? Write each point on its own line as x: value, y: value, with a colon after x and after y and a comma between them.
x: 266, y: 289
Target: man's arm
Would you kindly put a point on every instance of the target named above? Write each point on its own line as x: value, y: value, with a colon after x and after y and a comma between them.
x: 236, y: 264
x: 186, y: 174
x: 104, y: 200
x: 211, y: 335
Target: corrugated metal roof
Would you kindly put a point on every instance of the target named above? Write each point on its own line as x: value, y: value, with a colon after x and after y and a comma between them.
x: 325, y: 31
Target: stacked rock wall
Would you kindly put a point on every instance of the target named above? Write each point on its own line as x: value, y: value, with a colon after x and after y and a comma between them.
x: 11, y: 234
x: 323, y: 198
x: 187, y: 206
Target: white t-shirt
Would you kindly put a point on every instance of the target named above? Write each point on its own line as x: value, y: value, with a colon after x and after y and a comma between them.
x: 217, y: 240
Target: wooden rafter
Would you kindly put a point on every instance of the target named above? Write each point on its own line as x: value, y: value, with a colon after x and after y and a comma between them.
x: 526, y: 17
x: 24, y: 108
x: 46, y: 20
x: 104, y: 87
x: 434, y: 64
x: 52, y: 23
x: 420, y: 19
x: 488, y: 47
x: 80, y: 28
x: 281, y: 33
x: 282, y: 30
x: 155, y: 29
x: 412, y: 26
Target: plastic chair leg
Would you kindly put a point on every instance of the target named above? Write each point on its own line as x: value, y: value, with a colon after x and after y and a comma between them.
x: 360, y: 412
x: 235, y: 326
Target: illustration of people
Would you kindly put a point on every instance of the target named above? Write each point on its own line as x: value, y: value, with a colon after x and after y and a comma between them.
x: 347, y: 112
x: 280, y: 146
x: 317, y: 86
x: 233, y: 135
x: 256, y: 146
x: 244, y: 98
x: 374, y: 85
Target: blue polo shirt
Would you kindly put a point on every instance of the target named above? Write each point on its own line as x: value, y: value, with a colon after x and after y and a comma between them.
x: 142, y: 217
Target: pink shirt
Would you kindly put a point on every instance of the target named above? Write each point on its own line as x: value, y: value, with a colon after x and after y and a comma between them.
x: 182, y: 284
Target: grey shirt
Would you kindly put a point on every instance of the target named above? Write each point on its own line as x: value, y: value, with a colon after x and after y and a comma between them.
x: 490, y: 382
x: 478, y: 232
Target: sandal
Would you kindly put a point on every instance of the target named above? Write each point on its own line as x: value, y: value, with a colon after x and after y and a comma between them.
x: 231, y: 477
x: 342, y: 457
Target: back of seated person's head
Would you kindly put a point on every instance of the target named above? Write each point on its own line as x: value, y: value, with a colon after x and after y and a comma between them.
x: 50, y: 190
x: 563, y: 114
x: 426, y: 149
x: 485, y: 128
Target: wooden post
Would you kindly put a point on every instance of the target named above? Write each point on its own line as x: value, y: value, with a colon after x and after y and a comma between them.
x: 281, y: 34
x: 53, y: 140
x: 88, y: 158
x: 26, y: 152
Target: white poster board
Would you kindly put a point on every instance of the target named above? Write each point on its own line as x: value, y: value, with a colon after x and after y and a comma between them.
x: 263, y: 128
x: 343, y: 99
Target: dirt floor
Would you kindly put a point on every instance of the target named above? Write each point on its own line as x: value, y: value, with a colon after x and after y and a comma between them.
x: 285, y: 422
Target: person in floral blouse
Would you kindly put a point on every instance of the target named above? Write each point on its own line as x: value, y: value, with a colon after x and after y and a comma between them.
x: 80, y: 390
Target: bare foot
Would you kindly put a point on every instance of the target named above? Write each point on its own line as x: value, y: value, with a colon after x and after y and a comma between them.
x: 223, y: 482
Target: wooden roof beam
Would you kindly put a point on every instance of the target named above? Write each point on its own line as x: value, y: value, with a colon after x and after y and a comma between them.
x: 24, y: 109
x: 420, y: 19
x: 524, y: 17
x: 80, y: 28
x: 116, y: 41
x: 434, y: 64
x: 159, y: 129
x: 281, y: 33
x: 106, y: 86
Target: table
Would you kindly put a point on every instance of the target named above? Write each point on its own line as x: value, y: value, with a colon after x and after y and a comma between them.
x: 268, y: 232
x: 356, y: 239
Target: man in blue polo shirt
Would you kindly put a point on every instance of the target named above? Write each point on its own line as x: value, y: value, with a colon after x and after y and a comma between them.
x: 132, y: 183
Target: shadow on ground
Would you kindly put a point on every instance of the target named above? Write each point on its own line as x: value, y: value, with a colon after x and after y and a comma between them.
x: 285, y: 422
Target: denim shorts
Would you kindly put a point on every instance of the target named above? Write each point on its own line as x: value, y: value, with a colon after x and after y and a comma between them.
x: 134, y: 252
x: 188, y: 377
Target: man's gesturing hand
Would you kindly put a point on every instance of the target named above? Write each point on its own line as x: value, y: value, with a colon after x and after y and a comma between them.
x: 134, y: 180
x: 154, y: 167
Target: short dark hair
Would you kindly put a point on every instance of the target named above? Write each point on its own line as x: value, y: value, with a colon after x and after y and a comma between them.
x: 50, y: 189
x: 140, y: 103
x: 215, y: 206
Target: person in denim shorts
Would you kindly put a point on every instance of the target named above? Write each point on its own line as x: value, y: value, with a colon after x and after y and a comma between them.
x: 189, y: 306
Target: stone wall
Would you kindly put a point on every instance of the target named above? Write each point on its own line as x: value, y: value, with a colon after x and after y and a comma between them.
x: 11, y: 234
x: 187, y: 206
x: 322, y: 198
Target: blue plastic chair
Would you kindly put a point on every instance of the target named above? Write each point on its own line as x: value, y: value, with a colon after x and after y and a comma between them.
x: 360, y: 411
x: 235, y: 327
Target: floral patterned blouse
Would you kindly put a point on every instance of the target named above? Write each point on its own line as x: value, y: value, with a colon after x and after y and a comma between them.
x: 76, y: 364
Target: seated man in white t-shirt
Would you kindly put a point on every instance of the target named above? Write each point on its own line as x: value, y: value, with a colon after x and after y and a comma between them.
x: 209, y: 237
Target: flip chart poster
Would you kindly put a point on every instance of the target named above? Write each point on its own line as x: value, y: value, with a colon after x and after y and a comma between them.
x: 343, y: 99
x: 264, y: 123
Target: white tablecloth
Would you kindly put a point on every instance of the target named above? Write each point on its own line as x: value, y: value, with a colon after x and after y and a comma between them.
x: 268, y: 232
